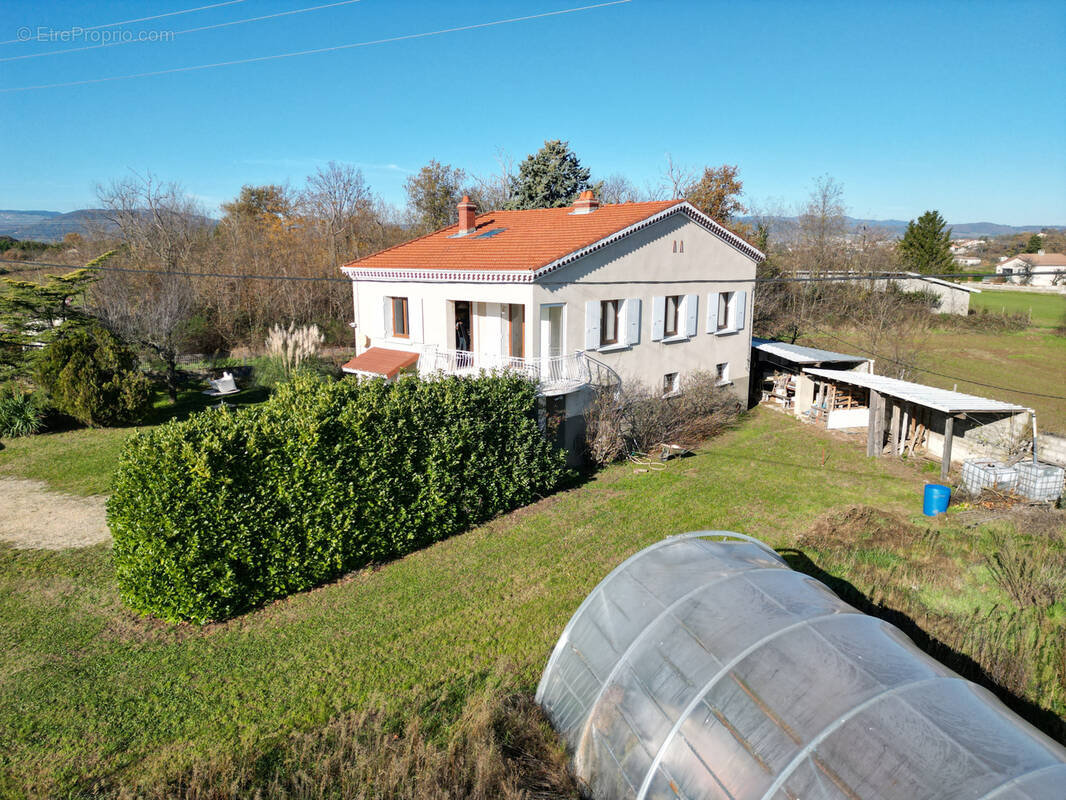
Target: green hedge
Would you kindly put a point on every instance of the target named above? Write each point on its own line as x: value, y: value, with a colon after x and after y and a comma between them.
x: 225, y: 511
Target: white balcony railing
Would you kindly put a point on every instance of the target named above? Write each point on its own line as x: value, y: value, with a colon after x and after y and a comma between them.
x: 553, y: 374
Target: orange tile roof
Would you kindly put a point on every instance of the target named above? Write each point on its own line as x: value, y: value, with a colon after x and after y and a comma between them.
x: 522, y: 241
x: 382, y: 361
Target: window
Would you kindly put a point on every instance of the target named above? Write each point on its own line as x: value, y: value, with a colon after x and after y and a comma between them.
x: 609, y: 321
x: 725, y: 304
x: 669, y: 383
x: 721, y: 373
x: 401, y: 325
x: 516, y: 323
x: 673, y: 311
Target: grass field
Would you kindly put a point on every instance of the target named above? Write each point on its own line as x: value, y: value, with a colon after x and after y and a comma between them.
x: 1045, y: 310
x: 92, y: 695
x: 82, y: 460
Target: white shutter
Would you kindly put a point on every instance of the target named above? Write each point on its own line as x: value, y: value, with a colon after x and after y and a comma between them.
x: 592, y: 324
x: 633, y: 320
x: 712, y: 312
x: 414, y: 311
x: 692, y: 303
x: 658, y: 318
x: 386, y: 316
x: 742, y: 309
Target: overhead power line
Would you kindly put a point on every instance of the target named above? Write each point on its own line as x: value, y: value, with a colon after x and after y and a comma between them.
x: 891, y: 360
x: 317, y: 50
x: 139, y: 19
x: 37, y: 266
x: 188, y: 30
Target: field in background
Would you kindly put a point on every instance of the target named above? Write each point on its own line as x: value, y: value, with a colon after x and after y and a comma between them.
x: 1044, y: 310
x: 90, y: 693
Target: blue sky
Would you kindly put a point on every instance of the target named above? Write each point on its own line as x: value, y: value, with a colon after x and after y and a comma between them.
x: 951, y: 105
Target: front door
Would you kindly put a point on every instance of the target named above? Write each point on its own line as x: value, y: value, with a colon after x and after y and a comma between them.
x: 464, y: 331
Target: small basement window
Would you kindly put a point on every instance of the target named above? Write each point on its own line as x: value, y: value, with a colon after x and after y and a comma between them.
x: 721, y: 373
x: 670, y: 383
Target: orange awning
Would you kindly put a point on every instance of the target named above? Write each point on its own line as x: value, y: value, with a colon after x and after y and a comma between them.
x: 381, y: 361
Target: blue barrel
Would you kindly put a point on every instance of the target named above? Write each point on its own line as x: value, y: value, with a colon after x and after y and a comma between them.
x: 936, y: 499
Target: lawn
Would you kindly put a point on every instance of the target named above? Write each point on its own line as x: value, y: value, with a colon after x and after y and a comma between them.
x: 82, y: 460
x: 1044, y: 310
x: 1030, y: 361
x: 89, y: 692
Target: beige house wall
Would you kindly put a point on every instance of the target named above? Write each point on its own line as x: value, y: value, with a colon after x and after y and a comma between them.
x: 641, y: 266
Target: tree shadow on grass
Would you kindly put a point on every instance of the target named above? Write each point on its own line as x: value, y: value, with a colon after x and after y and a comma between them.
x: 1041, y: 718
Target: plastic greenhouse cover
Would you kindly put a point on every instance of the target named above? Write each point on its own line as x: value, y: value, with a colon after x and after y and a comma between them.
x: 710, y: 669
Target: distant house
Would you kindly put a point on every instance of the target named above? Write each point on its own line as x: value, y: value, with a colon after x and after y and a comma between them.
x: 967, y: 261
x: 573, y: 297
x: 950, y: 297
x: 1035, y: 269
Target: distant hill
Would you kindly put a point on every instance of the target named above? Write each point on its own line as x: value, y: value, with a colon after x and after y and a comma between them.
x: 51, y: 226
x: 958, y: 229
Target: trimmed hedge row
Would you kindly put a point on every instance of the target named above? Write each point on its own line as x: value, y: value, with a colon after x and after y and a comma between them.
x: 223, y: 512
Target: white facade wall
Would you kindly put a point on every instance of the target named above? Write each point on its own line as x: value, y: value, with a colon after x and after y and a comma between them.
x: 640, y: 267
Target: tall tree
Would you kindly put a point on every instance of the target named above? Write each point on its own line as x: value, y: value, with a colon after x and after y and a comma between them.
x: 1036, y: 241
x: 432, y: 194
x: 822, y: 225
x: 340, y: 204
x: 926, y: 245
x: 550, y: 178
x: 717, y: 194
x: 163, y: 228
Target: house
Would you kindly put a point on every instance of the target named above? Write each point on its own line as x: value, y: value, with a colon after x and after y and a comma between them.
x: 778, y: 379
x: 1035, y: 269
x: 576, y: 297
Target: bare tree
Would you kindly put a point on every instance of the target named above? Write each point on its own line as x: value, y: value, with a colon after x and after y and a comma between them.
x: 493, y: 191
x: 339, y: 202
x: 162, y: 228
x: 822, y: 226
x: 675, y: 179
x: 617, y: 188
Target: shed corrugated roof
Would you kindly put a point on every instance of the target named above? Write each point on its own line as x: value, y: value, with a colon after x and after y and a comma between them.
x: 798, y: 354
x: 929, y: 396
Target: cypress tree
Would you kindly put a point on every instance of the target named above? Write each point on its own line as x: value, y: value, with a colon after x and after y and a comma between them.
x: 926, y: 245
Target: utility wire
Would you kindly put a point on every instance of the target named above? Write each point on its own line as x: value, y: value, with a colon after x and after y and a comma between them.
x: 39, y: 265
x: 36, y: 266
x: 891, y: 360
x: 140, y: 19
x: 188, y: 30
x: 317, y: 50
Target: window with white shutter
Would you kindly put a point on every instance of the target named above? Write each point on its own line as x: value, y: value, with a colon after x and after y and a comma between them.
x: 658, y: 318
x: 633, y: 320
x: 691, y: 310
x: 592, y: 324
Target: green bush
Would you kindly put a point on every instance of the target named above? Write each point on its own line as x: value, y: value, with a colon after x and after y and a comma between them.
x: 21, y: 412
x: 89, y: 374
x: 225, y: 511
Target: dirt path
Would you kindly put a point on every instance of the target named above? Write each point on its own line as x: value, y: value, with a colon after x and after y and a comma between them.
x: 33, y: 516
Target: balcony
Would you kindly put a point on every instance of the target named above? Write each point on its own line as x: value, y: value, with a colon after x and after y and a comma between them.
x: 553, y: 375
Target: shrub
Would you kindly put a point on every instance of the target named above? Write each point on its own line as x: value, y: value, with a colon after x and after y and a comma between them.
x: 640, y: 417
x: 21, y: 412
x: 89, y: 374
x: 223, y: 512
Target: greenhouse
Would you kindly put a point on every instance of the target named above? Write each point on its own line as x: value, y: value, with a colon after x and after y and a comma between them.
x: 704, y: 667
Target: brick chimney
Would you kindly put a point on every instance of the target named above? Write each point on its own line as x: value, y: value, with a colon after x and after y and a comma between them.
x: 586, y: 203
x: 467, y: 213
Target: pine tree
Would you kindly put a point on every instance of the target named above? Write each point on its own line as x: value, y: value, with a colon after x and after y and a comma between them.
x: 1036, y: 242
x: 926, y: 245
x: 550, y: 178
